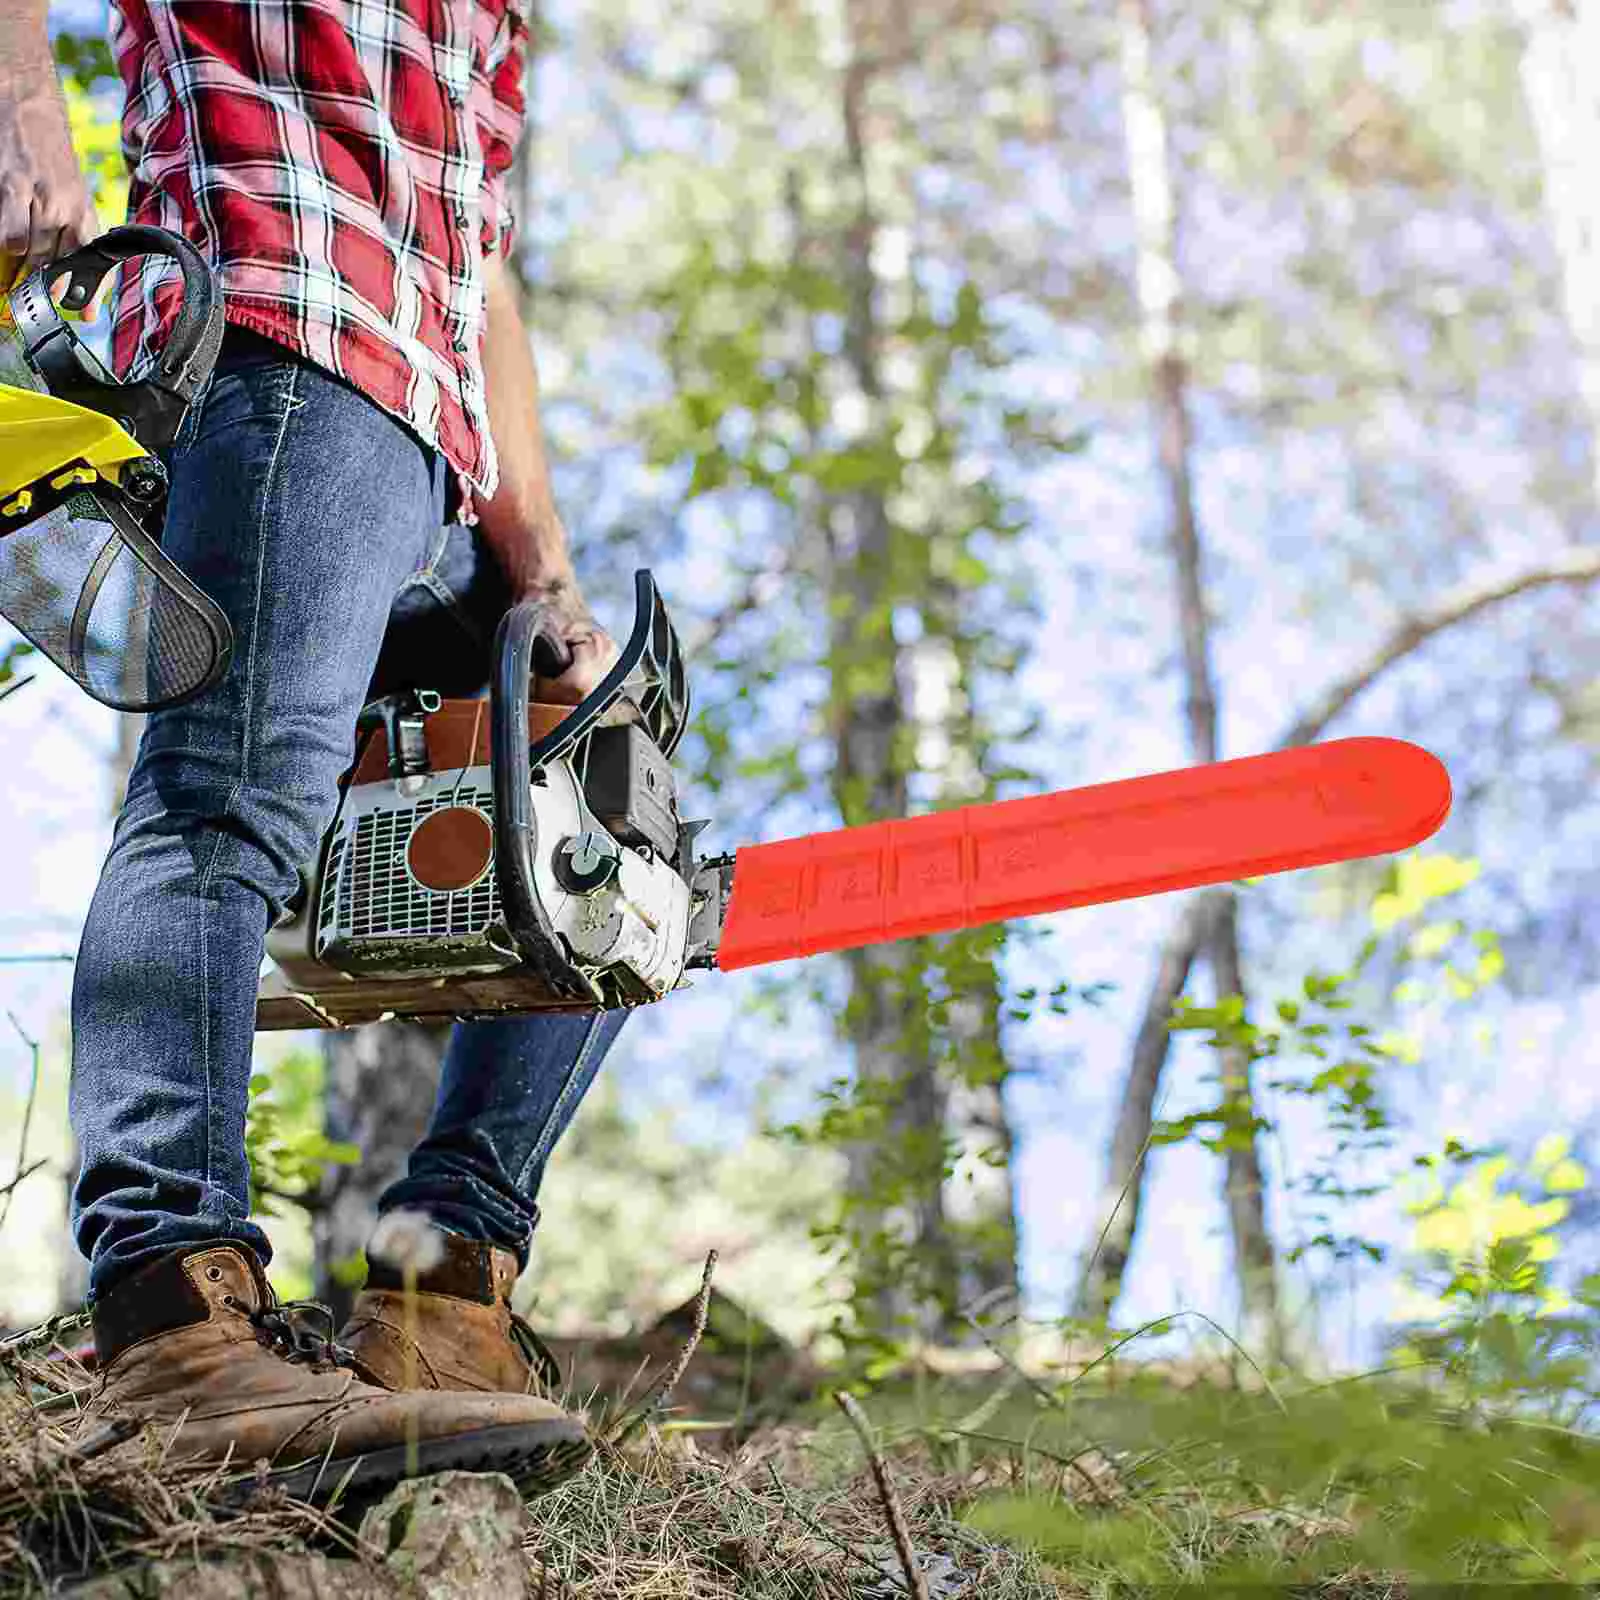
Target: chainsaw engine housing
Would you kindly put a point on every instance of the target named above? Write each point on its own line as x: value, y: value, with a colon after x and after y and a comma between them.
x: 404, y: 912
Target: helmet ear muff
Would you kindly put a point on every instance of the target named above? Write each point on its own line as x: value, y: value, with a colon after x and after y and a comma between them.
x: 152, y: 410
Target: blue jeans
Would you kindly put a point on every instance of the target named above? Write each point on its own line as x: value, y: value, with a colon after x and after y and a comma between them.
x: 317, y: 523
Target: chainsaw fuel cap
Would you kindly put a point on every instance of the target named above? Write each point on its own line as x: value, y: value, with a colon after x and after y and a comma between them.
x: 450, y: 849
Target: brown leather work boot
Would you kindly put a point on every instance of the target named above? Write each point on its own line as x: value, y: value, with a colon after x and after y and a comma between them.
x: 199, y: 1339
x: 459, y: 1332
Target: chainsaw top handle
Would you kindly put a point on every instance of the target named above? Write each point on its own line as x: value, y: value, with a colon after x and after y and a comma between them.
x: 153, y: 409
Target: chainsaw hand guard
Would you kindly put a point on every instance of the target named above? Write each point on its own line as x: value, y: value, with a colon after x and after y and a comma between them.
x: 83, y: 492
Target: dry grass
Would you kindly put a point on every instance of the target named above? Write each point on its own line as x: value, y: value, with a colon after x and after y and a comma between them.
x: 72, y: 1505
x: 791, y: 1512
x: 776, y: 1520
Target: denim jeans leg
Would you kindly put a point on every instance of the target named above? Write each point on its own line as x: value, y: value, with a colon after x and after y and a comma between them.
x: 301, y: 508
x: 509, y: 1088
x: 507, y: 1093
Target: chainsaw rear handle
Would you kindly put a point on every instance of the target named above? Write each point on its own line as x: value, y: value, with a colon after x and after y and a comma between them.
x: 153, y: 409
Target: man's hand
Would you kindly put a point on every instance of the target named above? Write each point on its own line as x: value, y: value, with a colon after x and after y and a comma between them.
x: 593, y: 649
x: 519, y: 522
x: 45, y: 209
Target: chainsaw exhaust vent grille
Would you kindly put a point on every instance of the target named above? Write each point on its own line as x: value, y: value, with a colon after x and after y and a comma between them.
x: 94, y: 592
x: 376, y: 917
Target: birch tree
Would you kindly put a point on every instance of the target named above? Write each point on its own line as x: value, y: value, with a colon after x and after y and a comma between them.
x: 1561, y: 84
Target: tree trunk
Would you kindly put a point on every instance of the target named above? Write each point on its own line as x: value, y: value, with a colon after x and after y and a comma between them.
x: 379, y: 1090
x: 1560, y: 61
x: 1153, y: 192
x: 523, y: 180
x: 1117, y: 1220
x: 980, y: 1199
x: 896, y: 1178
x: 1244, y: 1185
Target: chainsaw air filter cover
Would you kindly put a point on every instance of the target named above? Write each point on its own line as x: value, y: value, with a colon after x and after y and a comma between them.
x: 83, y: 491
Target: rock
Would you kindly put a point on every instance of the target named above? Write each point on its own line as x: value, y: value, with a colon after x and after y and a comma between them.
x: 240, y: 1575
x: 945, y: 1580
x: 455, y: 1536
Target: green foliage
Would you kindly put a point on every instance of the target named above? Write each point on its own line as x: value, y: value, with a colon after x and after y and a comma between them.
x: 1373, y: 1479
x: 1318, y: 1048
x: 947, y: 1004
x: 17, y: 650
x: 1485, y: 1304
x: 84, y: 59
x: 288, y: 1152
x: 1134, y: 1549
x: 85, y: 65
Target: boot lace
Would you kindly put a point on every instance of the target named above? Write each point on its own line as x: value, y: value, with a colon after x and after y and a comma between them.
x: 301, y: 1331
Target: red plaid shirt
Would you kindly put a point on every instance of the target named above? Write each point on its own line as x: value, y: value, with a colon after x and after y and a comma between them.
x: 342, y: 163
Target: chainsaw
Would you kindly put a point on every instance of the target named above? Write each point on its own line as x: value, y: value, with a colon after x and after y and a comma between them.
x: 508, y: 858
x: 83, y: 486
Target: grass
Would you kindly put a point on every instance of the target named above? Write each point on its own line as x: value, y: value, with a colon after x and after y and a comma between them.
x: 1362, y: 1486
x: 776, y: 1519
x: 664, y: 1516
x: 1121, y: 1483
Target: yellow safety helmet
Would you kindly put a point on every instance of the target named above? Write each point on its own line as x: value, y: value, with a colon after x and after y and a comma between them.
x: 83, y: 489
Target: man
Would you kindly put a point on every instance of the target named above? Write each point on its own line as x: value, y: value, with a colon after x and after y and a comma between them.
x: 363, y: 490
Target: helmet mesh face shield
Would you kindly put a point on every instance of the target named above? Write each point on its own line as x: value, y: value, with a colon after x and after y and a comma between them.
x: 89, y: 587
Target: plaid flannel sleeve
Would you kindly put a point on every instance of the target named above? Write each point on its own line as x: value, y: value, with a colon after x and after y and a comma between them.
x: 500, y: 107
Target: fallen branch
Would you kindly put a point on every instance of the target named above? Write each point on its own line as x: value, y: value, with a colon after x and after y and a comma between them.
x: 916, y: 1584
x: 657, y: 1399
x: 27, y: 1120
x: 43, y: 1334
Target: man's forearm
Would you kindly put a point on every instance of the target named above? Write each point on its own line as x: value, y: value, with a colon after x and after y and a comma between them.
x: 25, y: 62
x: 44, y: 208
x: 520, y: 524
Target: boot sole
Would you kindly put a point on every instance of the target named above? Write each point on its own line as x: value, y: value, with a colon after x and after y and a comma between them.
x: 536, y: 1456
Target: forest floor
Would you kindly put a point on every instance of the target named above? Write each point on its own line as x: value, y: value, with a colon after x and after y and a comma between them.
x: 1126, y: 1480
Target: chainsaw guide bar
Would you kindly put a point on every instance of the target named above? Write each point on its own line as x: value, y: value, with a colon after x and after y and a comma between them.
x: 1111, y: 841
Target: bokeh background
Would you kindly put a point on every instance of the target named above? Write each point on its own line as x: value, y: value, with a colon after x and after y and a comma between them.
x: 1006, y: 398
